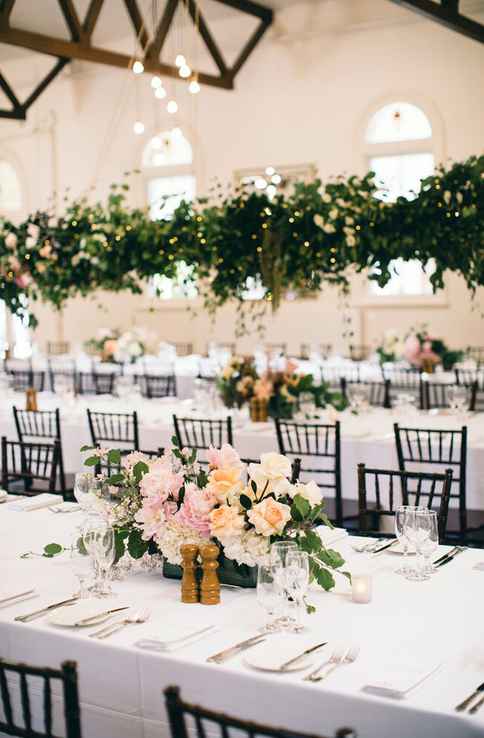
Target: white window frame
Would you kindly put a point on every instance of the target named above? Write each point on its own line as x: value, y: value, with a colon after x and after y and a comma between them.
x: 434, y: 145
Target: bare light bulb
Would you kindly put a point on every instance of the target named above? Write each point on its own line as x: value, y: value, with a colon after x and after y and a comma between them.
x: 139, y: 127
x: 270, y: 171
x: 172, y: 106
x: 160, y: 93
x: 180, y: 60
x: 184, y: 71
x: 156, y: 82
x: 138, y: 67
x: 276, y: 179
x: 194, y: 87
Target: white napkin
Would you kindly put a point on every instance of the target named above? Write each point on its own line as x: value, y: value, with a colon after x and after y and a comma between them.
x: 399, y: 679
x: 3, y: 495
x: 35, y: 503
x: 331, y: 535
x: 175, y: 637
x: 65, y: 507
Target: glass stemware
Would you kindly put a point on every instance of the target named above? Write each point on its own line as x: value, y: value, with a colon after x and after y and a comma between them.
x: 98, y: 539
x: 425, y: 536
x: 81, y: 565
x: 269, y: 596
x: 296, y: 584
x: 404, y: 520
x: 280, y: 550
x: 458, y: 399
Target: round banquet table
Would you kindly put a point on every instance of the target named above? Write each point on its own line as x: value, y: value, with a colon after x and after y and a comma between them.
x: 436, y: 623
x: 366, y: 438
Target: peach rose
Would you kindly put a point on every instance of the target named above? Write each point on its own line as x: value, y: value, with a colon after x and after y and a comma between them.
x: 110, y: 347
x: 269, y: 517
x: 222, y: 482
x: 225, y: 522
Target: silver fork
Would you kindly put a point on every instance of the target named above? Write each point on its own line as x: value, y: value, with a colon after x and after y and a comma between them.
x: 347, y: 656
x: 140, y: 616
x: 338, y: 654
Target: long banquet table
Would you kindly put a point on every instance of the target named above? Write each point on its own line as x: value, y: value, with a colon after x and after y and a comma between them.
x: 366, y: 438
x: 438, y: 622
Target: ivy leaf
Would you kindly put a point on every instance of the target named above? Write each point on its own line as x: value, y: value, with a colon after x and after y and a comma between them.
x: 52, y: 549
x: 86, y: 448
x: 92, y: 461
x: 116, y: 479
x: 245, y: 501
x: 254, y: 486
x: 174, y: 441
x: 331, y: 558
x: 324, y: 578
x: 136, y: 546
x: 114, y: 456
x: 302, y: 506
x: 139, y: 470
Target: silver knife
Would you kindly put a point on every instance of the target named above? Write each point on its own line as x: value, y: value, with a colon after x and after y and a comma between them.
x: 446, y: 555
x: 388, y: 544
x: 38, y: 613
x: 292, y: 661
x: 450, y: 558
x: 95, y: 618
x: 16, y: 597
x: 222, y: 656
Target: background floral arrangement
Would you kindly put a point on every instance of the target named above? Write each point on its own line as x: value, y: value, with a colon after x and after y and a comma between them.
x: 390, y: 348
x: 300, y: 241
x: 240, y: 382
x: 112, y: 345
x: 171, y: 500
x: 422, y: 350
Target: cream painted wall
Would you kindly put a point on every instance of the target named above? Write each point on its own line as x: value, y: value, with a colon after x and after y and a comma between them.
x: 304, y: 96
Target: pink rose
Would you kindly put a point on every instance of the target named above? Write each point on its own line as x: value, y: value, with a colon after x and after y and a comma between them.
x: 23, y: 280
x: 150, y: 517
x: 195, y: 510
x: 170, y: 508
x: 162, y: 483
x: 291, y: 366
x: 223, y: 457
x: 411, y: 350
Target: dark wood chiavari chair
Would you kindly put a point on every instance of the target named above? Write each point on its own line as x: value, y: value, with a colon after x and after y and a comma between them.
x: 108, y: 468
x: 114, y: 428
x: 22, y: 684
x: 332, y: 375
x: 201, y: 433
x: 390, y: 488
x: 441, y: 448
x: 378, y: 392
x: 29, y: 468
x: 477, y: 398
x: 321, y: 446
x: 64, y: 370
x: 153, y: 386
x: 323, y: 348
x: 58, y: 348
x: 96, y: 383
x: 405, y: 381
x: 435, y: 395
x: 24, y: 379
x: 206, y: 721
x: 467, y: 377
x: 34, y: 424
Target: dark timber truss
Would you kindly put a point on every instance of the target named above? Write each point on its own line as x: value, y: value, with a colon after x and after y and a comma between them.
x: 447, y: 13
x: 79, y: 46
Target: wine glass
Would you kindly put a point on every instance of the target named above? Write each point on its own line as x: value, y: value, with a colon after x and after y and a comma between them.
x: 297, y: 583
x: 81, y: 565
x: 457, y: 397
x: 99, y: 541
x: 269, y: 596
x: 404, y: 520
x: 358, y: 396
x: 280, y: 550
x: 425, y: 536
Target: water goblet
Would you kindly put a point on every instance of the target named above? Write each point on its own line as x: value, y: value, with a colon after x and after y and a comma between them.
x: 425, y: 536
x: 81, y: 565
x: 280, y: 550
x: 98, y: 539
x: 296, y: 583
x: 269, y: 596
x: 404, y: 520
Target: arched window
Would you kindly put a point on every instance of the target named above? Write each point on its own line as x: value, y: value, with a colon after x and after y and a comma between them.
x: 399, y: 145
x: 10, y: 190
x: 169, y: 176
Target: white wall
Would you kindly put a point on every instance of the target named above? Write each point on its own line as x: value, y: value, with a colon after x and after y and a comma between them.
x: 302, y: 97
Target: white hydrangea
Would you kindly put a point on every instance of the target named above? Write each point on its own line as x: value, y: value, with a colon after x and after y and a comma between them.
x: 250, y: 549
x: 171, y: 536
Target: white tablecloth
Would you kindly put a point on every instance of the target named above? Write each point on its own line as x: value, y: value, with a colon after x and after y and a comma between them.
x: 366, y: 438
x: 436, y: 622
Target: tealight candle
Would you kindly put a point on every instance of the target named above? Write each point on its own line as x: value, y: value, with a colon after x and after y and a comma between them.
x: 361, y: 588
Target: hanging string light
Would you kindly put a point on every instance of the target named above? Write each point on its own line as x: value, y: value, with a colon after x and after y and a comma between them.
x: 194, y: 87
x: 172, y: 106
x: 138, y: 67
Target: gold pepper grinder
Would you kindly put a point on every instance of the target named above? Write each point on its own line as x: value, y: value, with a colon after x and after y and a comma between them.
x: 210, y: 589
x: 189, y: 584
x: 31, y: 399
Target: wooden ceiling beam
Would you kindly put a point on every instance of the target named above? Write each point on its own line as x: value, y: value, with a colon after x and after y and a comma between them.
x: 71, y: 50
x: 154, y: 49
x: 447, y: 14
x: 199, y: 21
x: 70, y: 16
x: 9, y: 92
x: 6, y: 7
x: 252, y: 8
x: 58, y: 67
x: 92, y: 15
x: 138, y: 22
x: 249, y: 46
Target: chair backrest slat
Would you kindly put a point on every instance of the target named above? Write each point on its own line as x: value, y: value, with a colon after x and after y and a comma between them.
x: 201, y: 433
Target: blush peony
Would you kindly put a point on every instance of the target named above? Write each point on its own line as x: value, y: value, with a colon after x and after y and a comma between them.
x: 225, y: 522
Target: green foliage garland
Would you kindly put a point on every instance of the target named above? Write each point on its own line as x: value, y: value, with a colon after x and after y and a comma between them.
x: 296, y: 242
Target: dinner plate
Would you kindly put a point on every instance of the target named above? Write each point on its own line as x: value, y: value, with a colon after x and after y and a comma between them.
x: 269, y: 657
x: 68, y: 617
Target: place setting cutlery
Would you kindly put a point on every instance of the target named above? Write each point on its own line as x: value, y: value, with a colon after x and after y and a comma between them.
x: 467, y: 703
x: 450, y: 556
x: 265, y: 660
x: 139, y: 616
x: 228, y: 653
x: 375, y: 546
x: 77, y: 617
x: 340, y: 656
x: 14, y: 599
x: 28, y: 617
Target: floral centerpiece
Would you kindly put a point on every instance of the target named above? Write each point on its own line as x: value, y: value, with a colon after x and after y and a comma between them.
x: 165, y: 502
x: 425, y: 352
x: 236, y: 383
x: 390, y: 347
x: 281, y: 388
x: 113, y: 346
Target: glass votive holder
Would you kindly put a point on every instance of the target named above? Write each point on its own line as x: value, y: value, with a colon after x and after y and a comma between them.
x: 361, y: 588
